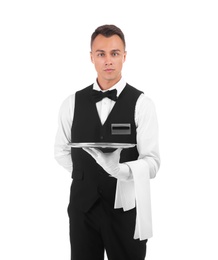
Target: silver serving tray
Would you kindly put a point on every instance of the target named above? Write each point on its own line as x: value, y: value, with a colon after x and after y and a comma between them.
x: 101, y: 145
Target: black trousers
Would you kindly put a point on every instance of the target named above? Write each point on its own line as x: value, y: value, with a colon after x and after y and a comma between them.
x: 104, y: 228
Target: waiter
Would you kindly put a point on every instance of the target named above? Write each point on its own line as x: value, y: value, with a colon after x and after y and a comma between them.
x: 109, y: 205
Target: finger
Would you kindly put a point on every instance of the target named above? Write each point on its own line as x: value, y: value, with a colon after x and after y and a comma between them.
x: 97, y: 152
x: 111, y: 176
x: 89, y: 151
x: 118, y: 151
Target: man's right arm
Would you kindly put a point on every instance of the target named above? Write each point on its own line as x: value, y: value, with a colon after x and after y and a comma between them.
x: 62, y: 152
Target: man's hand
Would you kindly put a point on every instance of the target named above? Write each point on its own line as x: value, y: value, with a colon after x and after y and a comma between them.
x: 108, y: 161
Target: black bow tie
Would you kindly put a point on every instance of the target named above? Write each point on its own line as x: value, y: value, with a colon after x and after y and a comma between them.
x: 99, y: 95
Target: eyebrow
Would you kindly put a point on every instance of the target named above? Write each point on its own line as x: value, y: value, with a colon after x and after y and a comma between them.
x: 104, y: 51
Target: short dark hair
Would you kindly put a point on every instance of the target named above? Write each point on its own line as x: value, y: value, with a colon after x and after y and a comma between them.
x: 108, y: 30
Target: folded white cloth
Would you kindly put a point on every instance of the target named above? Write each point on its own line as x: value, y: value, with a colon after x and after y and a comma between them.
x: 136, y: 193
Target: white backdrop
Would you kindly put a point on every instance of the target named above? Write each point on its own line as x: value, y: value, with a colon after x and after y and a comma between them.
x: 172, y: 57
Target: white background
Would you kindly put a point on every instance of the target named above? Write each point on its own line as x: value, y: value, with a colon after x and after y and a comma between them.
x: 172, y: 57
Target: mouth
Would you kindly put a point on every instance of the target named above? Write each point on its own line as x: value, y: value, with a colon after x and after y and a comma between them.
x: 109, y: 70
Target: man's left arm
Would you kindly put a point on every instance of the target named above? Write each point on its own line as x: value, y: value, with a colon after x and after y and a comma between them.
x: 147, y: 135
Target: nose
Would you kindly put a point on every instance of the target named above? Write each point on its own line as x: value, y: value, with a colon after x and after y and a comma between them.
x: 108, y: 61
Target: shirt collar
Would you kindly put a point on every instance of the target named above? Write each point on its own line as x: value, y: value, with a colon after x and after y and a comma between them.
x: 119, y: 86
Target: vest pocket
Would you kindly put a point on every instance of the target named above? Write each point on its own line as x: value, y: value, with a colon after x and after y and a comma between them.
x: 77, y: 174
x: 121, y: 129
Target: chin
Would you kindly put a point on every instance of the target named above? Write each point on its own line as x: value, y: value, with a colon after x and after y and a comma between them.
x: 111, y: 77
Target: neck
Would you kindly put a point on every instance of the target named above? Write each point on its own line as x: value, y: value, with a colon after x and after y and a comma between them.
x: 107, y: 84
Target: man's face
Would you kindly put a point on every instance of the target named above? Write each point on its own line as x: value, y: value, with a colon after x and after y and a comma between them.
x: 108, y: 56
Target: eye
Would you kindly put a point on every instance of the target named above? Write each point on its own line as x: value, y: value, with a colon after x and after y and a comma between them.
x: 115, y: 54
x: 101, y: 54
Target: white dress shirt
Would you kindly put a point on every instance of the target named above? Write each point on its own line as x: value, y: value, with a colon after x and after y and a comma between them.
x: 136, y: 191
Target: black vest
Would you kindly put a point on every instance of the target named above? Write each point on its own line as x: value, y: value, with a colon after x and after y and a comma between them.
x: 90, y: 181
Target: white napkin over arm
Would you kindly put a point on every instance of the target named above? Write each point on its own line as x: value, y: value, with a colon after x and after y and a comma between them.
x: 136, y: 193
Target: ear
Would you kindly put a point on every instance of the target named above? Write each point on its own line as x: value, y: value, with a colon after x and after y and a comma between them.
x: 124, y: 56
x: 91, y: 57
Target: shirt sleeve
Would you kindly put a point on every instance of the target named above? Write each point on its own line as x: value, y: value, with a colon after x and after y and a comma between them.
x: 62, y: 152
x: 147, y: 134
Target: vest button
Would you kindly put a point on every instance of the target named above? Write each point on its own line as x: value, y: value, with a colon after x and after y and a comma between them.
x: 102, y: 137
x: 100, y: 190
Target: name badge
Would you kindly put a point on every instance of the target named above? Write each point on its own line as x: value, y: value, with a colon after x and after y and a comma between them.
x: 120, y: 129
